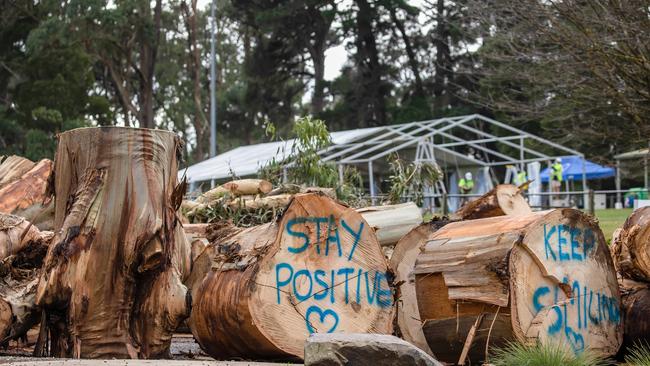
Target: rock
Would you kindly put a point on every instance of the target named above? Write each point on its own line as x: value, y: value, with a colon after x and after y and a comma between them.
x: 334, y: 349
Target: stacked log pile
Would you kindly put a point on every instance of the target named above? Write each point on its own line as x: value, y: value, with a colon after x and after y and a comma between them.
x: 631, y: 252
x: 390, y: 222
x: 474, y: 285
x: 24, y: 189
x: 259, y: 292
x: 111, y: 283
x: 22, y: 250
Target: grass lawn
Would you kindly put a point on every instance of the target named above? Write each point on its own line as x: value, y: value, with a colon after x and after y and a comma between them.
x: 611, y: 219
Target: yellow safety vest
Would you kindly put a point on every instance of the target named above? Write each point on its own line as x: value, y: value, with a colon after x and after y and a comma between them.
x: 556, y: 172
x: 466, y: 184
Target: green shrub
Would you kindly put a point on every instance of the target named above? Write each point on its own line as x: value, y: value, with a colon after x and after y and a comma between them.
x: 550, y: 354
x: 639, y: 355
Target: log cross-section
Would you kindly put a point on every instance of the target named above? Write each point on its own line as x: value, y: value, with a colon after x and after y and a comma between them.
x: 541, y: 277
x: 318, y: 269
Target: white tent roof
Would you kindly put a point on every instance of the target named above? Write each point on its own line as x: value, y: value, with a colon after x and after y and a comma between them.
x: 247, y: 160
x: 450, y: 139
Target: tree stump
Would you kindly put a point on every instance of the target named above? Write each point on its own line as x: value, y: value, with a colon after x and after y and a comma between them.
x: 542, y: 277
x: 22, y: 250
x: 504, y: 199
x: 112, y: 279
x: 631, y: 246
x: 319, y: 268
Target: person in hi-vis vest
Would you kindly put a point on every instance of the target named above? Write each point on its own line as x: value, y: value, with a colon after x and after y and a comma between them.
x: 465, y: 186
x: 556, y: 175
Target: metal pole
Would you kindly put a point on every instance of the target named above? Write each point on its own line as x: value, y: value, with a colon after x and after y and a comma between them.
x: 584, y: 173
x: 592, y: 202
x: 371, y: 181
x: 213, y: 82
x: 618, y: 204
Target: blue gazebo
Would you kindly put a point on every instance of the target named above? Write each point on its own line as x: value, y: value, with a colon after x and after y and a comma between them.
x: 573, y: 168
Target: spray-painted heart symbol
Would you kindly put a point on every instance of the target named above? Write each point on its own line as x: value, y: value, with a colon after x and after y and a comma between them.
x: 322, y: 314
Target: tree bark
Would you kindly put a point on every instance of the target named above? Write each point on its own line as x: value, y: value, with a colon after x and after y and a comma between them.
x: 636, y: 305
x: 111, y: 284
x: 410, y: 53
x: 199, y: 119
x: 26, y: 195
x: 402, y: 261
x: 22, y: 250
x: 372, y: 90
x: 545, y: 276
x: 12, y: 168
x: 443, y: 62
x: 504, y: 199
x: 318, y: 269
x: 631, y: 247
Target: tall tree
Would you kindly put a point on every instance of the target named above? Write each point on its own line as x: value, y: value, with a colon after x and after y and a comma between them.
x: 576, y: 69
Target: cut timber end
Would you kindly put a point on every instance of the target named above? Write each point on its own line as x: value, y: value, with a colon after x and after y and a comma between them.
x: 111, y: 282
x: 545, y: 276
x: 504, y: 199
x: 318, y: 269
x: 392, y: 222
x: 631, y: 247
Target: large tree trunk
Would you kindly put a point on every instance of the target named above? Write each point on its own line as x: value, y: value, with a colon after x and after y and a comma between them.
x: 545, y: 276
x: 26, y: 195
x: 111, y: 284
x: 504, y: 199
x: 631, y: 247
x: 199, y: 120
x: 22, y: 250
x: 317, y: 269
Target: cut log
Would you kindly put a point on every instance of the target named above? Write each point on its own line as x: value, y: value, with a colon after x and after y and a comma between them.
x: 402, y: 261
x: 12, y: 168
x: 504, y: 199
x: 636, y: 307
x: 318, y: 269
x: 248, y: 186
x: 236, y: 188
x: 22, y: 250
x: 256, y: 203
x: 542, y: 277
x: 112, y: 279
x: 24, y: 196
x: 392, y: 222
x: 631, y: 246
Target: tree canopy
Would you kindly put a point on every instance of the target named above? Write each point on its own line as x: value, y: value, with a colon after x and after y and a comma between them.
x: 572, y: 71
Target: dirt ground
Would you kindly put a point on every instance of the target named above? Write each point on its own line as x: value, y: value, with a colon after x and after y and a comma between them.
x: 184, y: 349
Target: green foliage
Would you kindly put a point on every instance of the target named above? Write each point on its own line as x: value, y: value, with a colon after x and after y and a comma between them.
x: 638, y: 355
x: 411, y: 179
x: 550, y: 354
x: 240, y: 216
x: 305, y: 167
